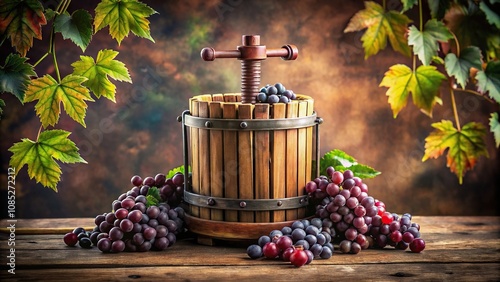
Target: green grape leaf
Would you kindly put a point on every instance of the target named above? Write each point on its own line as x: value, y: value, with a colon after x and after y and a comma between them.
x: 495, y: 127
x: 123, y: 16
x: 464, y: 146
x: 21, y: 21
x: 438, y: 8
x: 459, y: 67
x: 426, y: 43
x: 2, y: 104
x: 50, y: 94
x: 488, y: 80
x: 175, y: 170
x: 380, y: 26
x: 341, y: 161
x: 97, y: 73
x: 153, y: 197
x: 492, y: 17
x: 408, y: 4
x: 423, y: 84
x: 15, y: 76
x: 41, y: 156
x: 49, y: 14
x: 76, y: 27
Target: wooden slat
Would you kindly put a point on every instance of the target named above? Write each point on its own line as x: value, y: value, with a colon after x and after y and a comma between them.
x: 278, y: 161
x: 218, y: 97
x: 301, y: 158
x: 245, y: 162
x: 204, y: 156
x: 262, y: 166
x: 195, y: 156
x: 230, y: 160
x: 291, y: 160
x: 216, y: 158
x: 230, y: 97
x: 309, y: 152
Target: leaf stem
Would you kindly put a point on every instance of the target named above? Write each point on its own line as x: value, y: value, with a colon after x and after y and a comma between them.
x: 420, y: 14
x: 39, y: 131
x: 65, y: 7
x: 414, y: 62
x: 41, y: 59
x: 454, y: 104
x: 56, y: 66
x: 456, y: 43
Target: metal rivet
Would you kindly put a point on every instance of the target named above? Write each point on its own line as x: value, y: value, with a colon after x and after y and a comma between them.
x: 179, y: 118
x: 208, y: 123
x: 243, y: 204
x: 243, y: 125
x: 211, y: 202
x: 280, y: 203
x: 319, y: 120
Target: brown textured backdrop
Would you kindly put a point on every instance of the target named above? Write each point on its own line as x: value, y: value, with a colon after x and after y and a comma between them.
x: 139, y: 134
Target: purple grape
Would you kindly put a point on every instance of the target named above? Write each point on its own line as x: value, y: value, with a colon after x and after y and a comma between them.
x: 117, y: 246
x: 149, y: 181
x: 104, y: 245
x: 136, y: 180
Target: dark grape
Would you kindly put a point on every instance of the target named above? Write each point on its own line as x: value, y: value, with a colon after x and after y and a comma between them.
x: 136, y: 180
x: 263, y: 240
x: 117, y: 246
x: 272, y: 99
x: 417, y: 245
x: 254, y: 251
x: 104, y: 245
x: 149, y: 181
x: 70, y: 239
x: 85, y: 243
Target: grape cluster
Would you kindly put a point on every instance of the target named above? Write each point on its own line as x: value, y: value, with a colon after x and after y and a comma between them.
x: 142, y: 219
x: 299, y: 243
x: 276, y: 93
x: 361, y: 221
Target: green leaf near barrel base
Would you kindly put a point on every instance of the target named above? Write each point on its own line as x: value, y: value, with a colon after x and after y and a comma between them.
x: 21, y: 21
x: 123, y: 16
x: 380, y: 25
x: 464, y: 146
x: 41, y: 156
x: 459, y: 67
x: 341, y: 161
x: 423, y: 84
x: 426, y: 42
x: 97, y: 73
x: 179, y: 169
x: 76, y: 27
x: 2, y: 104
x: 50, y: 94
x: 15, y: 76
x: 488, y: 80
x: 495, y: 128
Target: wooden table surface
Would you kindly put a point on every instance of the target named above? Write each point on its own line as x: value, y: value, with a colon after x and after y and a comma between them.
x: 457, y: 249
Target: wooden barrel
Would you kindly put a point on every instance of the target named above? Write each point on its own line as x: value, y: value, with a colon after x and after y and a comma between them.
x: 249, y: 163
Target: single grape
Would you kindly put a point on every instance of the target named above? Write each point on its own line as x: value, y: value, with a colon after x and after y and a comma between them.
x: 337, y: 177
x: 270, y: 250
x: 332, y: 189
x: 305, y: 245
x: 70, y: 239
x: 281, y: 89
x: 149, y: 233
x: 128, y: 204
x: 160, y: 179
x: 316, y: 249
x: 286, y: 230
x: 263, y: 240
x: 144, y: 190
x: 310, y: 256
x: 298, y: 224
x: 284, y: 242
x: 254, y: 251
x: 311, y: 239
x: 417, y: 245
x: 298, y: 234
x: 78, y: 230
x: 115, y: 233
x: 355, y: 248
x: 348, y: 174
x: 408, y: 237
x: 121, y: 213
x: 288, y: 94
x: 326, y: 253
x: 144, y: 247
x: 178, y: 179
x: 395, y: 236
x: 98, y: 219
x: 126, y: 225
x: 117, y: 246
x: 104, y: 245
x: 262, y: 97
x: 161, y: 244
x: 298, y: 258
x: 85, y: 243
x: 272, y: 99
x: 153, y: 212
x: 348, y: 183
x: 271, y: 90
x: 136, y: 180
x: 149, y: 181
x: 285, y: 255
x: 284, y: 99
x: 345, y: 246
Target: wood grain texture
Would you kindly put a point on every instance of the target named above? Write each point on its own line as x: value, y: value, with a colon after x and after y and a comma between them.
x: 245, y: 162
x: 230, y: 159
x: 278, y: 161
x: 262, y: 165
x: 204, y: 156
x: 216, y: 158
x: 291, y: 159
x: 457, y: 248
x: 195, y: 155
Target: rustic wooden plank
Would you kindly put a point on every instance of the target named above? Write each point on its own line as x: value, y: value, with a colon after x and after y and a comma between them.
x: 278, y: 181
x: 230, y: 159
x: 309, y: 152
x: 216, y: 158
x: 275, y: 271
x: 218, y: 97
x: 195, y: 156
x: 291, y: 160
x: 301, y: 158
x: 262, y: 157
x: 245, y: 162
x: 204, y: 157
x: 231, y: 97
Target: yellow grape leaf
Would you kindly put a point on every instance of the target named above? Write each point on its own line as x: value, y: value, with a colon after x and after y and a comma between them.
x: 97, y: 73
x: 464, y: 146
x: 21, y: 21
x: 380, y: 25
x: 123, y: 16
x: 41, y: 156
x: 50, y: 94
x: 423, y: 84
